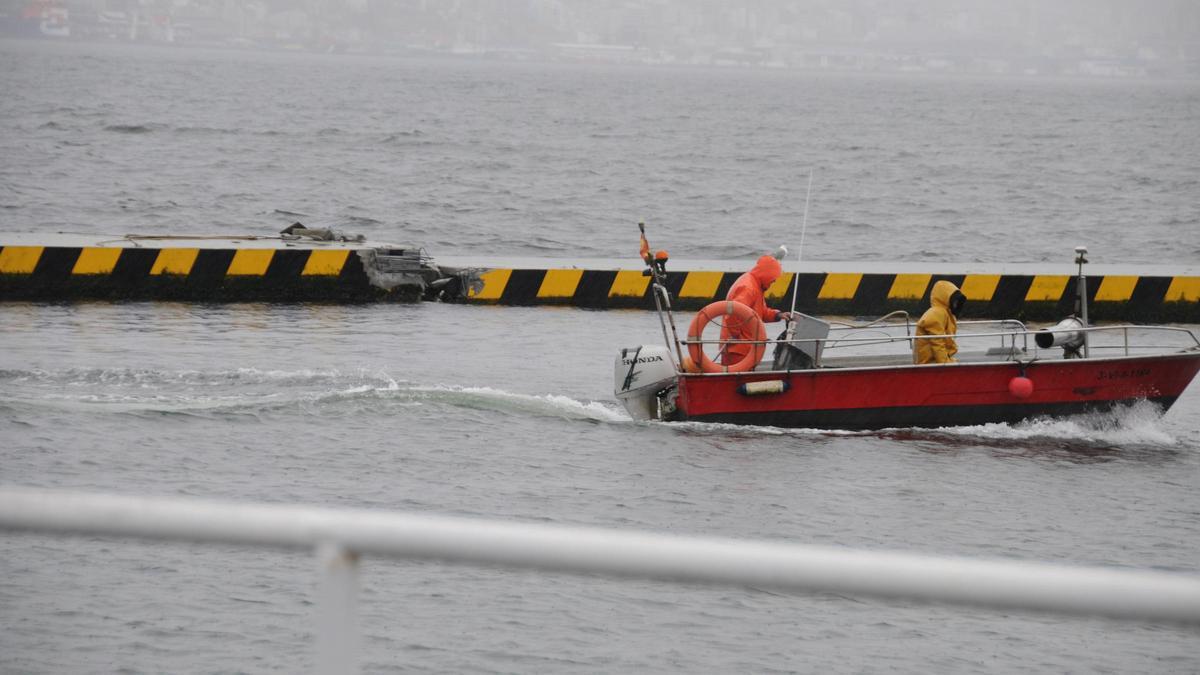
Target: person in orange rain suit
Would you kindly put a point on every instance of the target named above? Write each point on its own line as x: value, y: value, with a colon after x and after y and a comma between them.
x: 748, y: 290
x: 945, y: 302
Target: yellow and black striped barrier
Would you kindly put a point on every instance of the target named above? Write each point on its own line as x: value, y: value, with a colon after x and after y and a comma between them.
x: 235, y: 272
x: 186, y: 273
x: 1035, y: 297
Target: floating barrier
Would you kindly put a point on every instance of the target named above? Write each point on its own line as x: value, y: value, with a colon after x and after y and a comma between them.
x: 215, y: 269
x: 863, y: 289
x: 270, y: 269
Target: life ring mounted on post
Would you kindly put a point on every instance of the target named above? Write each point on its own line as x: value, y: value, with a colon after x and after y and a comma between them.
x: 733, y: 313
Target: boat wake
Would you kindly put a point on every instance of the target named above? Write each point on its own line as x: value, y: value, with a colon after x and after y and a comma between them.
x: 1128, y: 431
x: 1136, y: 426
x: 254, y: 392
x: 544, y: 405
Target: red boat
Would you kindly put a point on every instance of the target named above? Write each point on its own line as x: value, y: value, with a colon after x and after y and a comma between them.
x: 859, y: 377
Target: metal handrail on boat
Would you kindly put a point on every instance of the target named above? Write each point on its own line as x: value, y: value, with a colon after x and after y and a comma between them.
x: 1083, y: 330
x: 662, y: 301
x: 1011, y: 336
x: 846, y: 342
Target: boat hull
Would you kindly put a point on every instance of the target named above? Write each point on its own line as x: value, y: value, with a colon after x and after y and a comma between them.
x: 934, y: 395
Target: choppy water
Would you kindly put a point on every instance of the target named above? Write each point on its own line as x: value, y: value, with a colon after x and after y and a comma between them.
x: 535, y: 159
x: 507, y: 412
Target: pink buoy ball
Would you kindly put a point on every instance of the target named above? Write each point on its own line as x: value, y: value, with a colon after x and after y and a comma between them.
x: 1020, y: 386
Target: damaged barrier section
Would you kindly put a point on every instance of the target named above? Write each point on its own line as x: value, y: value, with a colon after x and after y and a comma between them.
x: 221, y: 269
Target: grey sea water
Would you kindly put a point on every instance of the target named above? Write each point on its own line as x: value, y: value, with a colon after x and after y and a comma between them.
x: 555, y: 160
x: 507, y: 412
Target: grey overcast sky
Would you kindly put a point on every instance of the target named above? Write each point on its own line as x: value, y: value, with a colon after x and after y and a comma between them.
x: 747, y: 22
x: 991, y: 35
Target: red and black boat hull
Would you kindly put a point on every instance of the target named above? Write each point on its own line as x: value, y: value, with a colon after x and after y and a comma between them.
x: 934, y: 396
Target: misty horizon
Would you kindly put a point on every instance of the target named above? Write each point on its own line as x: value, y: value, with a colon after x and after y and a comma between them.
x: 1114, y: 37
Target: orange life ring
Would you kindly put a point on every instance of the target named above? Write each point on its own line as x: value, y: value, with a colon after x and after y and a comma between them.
x: 737, y: 312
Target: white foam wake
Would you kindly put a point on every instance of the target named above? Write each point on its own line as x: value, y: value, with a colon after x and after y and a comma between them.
x: 1135, y: 424
x: 252, y: 391
x: 543, y: 404
x: 1138, y: 424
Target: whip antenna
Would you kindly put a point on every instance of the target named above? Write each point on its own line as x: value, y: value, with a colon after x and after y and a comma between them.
x: 800, y: 252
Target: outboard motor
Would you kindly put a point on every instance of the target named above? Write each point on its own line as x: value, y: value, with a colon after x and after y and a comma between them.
x: 1066, y: 334
x: 640, y: 376
x: 800, y: 344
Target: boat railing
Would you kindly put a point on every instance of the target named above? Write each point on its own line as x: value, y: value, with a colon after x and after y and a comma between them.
x: 1125, y: 345
x: 340, y: 537
x: 1013, y: 340
x: 891, y: 321
x: 1014, y: 343
x: 1013, y: 335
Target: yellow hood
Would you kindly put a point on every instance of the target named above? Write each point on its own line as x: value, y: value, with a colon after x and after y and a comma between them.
x: 940, y: 296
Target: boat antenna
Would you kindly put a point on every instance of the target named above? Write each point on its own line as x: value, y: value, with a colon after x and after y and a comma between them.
x: 800, y: 251
x: 1081, y: 287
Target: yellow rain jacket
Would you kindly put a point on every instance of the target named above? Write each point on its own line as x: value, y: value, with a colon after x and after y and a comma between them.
x: 937, y: 320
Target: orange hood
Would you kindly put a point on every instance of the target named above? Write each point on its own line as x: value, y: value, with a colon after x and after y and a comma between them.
x: 766, y: 271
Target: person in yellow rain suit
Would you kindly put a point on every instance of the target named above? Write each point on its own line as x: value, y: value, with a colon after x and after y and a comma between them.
x: 945, y: 302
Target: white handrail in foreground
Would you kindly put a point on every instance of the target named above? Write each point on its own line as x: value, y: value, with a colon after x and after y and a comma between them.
x: 340, y: 535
